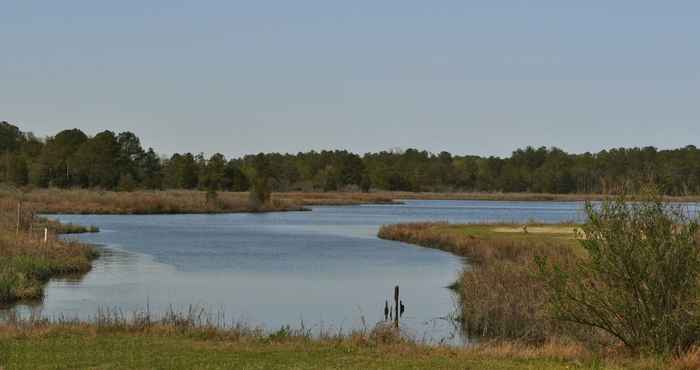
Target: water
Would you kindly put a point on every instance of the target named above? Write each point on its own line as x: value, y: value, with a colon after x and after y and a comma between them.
x: 325, y: 268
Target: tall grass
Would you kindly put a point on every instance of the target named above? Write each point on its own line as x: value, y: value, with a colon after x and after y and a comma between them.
x: 140, y: 202
x: 82, y: 201
x: 197, y: 323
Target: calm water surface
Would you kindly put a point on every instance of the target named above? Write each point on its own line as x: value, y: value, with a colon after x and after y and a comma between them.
x: 326, y: 268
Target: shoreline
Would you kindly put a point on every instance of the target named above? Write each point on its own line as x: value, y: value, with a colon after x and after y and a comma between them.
x: 498, y: 271
x: 29, y: 263
x: 521, y: 197
x: 172, y: 202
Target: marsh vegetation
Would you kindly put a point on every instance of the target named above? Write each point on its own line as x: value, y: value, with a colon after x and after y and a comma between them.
x: 31, y: 253
x: 627, y: 277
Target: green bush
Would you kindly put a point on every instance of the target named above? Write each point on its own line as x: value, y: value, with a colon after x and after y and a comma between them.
x: 8, y: 282
x: 639, y: 279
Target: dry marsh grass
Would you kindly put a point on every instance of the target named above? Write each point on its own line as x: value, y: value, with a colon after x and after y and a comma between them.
x: 500, y: 295
x: 54, y: 201
x: 142, y: 202
x: 81, y: 201
x: 335, y: 198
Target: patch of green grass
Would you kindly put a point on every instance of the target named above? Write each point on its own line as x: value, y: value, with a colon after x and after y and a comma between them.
x: 27, y: 262
x: 65, y: 229
x: 22, y: 277
x: 129, y: 351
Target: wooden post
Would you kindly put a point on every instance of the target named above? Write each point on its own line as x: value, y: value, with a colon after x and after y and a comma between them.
x: 46, y: 235
x: 19, y: 215
x: 396, y: 306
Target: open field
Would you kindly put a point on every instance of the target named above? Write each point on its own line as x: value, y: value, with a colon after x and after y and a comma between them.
x: 175, y: 344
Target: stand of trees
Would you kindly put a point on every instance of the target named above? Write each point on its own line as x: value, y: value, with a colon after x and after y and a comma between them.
x: 118, y: 162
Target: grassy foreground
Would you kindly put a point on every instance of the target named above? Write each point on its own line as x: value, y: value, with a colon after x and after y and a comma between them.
x: 175, y: 345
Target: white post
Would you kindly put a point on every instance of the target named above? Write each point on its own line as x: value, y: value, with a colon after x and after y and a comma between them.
x: 46, y: 234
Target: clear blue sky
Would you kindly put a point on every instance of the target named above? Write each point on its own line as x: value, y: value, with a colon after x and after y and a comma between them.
x: 477, y: 77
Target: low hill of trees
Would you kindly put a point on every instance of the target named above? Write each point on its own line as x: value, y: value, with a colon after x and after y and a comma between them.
x: 111, y: 161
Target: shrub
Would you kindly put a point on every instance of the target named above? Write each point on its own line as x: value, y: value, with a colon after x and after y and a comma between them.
x: 260, y: 192
x: 639, y: 280
x: 126, y: 183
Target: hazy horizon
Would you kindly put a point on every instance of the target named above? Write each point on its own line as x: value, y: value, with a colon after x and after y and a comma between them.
x: 242, y: 78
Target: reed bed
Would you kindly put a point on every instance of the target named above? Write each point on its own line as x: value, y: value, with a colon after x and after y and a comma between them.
x: 77, y: 201
x: 82, y: 201
x: 53, y: 201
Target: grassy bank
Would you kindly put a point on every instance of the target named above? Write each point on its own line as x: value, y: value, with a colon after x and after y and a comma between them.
x: 53, y: 201
x: 501, y: 297
x: 516, y: 197
x: 173, y: 343
x: 27, y: 262
x: 504, y: 297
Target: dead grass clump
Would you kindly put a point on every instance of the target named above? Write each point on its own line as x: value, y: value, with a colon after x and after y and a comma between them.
x: 687, y: 361
x: 556, y: 348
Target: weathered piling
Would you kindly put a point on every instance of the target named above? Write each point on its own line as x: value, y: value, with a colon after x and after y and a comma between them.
x: 396, y: 306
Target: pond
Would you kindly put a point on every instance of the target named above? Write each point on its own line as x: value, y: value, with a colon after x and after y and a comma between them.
x: 325, y: 268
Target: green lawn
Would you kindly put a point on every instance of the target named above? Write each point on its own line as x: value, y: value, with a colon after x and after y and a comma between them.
x: 134, y: 351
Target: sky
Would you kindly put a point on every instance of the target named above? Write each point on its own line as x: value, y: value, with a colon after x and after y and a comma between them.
x: 470, y: 77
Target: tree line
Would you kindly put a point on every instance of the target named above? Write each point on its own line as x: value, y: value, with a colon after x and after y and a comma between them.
x: 111, y: 161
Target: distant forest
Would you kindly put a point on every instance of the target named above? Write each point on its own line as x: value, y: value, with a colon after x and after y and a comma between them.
x: 110, y: 161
